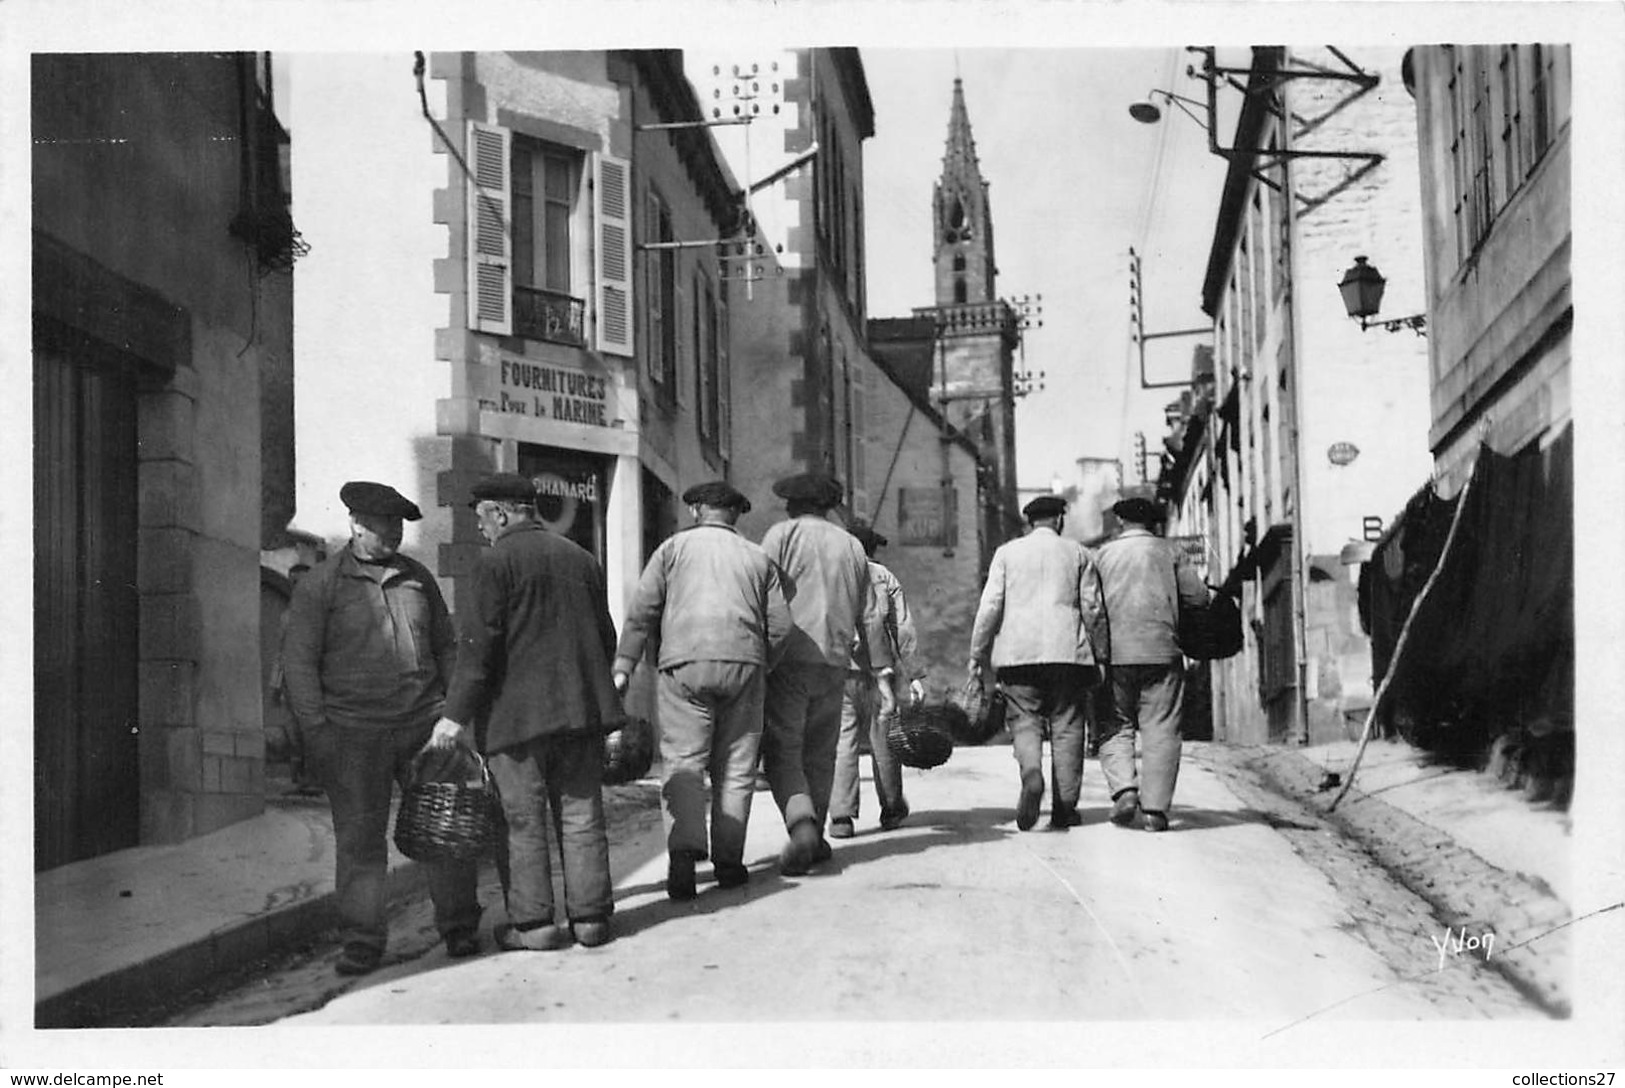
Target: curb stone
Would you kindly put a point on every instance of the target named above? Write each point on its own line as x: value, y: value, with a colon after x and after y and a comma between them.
x: 1469, y: 893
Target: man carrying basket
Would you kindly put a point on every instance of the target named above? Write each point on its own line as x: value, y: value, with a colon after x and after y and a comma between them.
x: 712, y: 602
x: 534, y: 668
x: 871, y: 696
x: 1042, y: 623
x: 366, y: 656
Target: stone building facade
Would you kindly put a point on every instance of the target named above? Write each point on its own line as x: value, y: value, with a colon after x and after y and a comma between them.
x: 163, y: 363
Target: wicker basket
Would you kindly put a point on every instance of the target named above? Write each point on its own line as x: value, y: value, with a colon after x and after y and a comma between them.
x: 983, y: 713
x: 920, y: 736
x: 629, y: 752
x: 455, y: 820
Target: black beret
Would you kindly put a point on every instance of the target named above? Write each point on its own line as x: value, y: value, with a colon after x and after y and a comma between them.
x: 718, y: 493
x: 1138, y: 510
x: 866, y: 535
x: 814, y: 488
x: 1045, y: 506
x: 379, y: 500
x: 503, y: 487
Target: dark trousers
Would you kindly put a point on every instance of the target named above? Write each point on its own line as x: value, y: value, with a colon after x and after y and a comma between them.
x: 798, y: 742
x: 360, y: 767
x: 1049, y: 701
x: 555, y: 779
x: 1143, y: 700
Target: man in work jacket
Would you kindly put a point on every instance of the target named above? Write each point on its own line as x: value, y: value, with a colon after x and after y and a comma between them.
x: 1042, y: 624
x: 366, y: 654
x: 826, y: 577
x: 870, y: 700
x: 1146, y: 581
x: 533, y: 669
x: 712, y: 602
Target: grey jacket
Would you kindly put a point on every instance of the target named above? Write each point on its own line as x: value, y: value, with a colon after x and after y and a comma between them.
x: 826, y: 580
x: 707, y: 594
x: 1145, y: 578
x: 1041, y: 605
x: 892, y: 642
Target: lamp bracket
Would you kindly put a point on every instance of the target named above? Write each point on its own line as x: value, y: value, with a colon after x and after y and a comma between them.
x: 1260, y: 161
x: 1138, y: 333
x: 1417, y: 323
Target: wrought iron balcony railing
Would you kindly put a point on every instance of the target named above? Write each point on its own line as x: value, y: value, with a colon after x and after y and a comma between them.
x: 548, y: 315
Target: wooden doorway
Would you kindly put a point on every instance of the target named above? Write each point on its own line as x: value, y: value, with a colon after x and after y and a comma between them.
x: 86, y: 605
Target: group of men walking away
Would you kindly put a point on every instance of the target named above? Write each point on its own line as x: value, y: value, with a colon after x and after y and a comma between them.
x: 775, y: 660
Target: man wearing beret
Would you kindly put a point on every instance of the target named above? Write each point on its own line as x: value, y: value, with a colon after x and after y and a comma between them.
x: 712, y: 602
x: 533, y: 674
x: 1042, y: 625
x: 870, y: 699
x: 367, y: 653
x: 1146, y: 580
x: 826, y: 578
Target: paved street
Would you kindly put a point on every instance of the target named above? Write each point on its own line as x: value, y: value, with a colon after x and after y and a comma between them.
x: 1248, y: 908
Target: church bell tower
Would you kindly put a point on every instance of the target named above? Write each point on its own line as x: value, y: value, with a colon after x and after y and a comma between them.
x: 975, y: 332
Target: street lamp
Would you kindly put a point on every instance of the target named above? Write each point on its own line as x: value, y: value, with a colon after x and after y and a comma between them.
x: 1362, y: 287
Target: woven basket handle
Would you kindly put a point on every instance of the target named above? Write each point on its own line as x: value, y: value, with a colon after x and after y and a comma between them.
x: 451, y: 762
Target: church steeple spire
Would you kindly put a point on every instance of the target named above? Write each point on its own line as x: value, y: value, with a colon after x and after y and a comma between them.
x: 964, y: 230
x: 960, y: 158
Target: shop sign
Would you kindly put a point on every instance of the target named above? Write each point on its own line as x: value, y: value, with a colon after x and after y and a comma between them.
x: 1193, y: 548
x: 926, y: 516
x: 549, y: 391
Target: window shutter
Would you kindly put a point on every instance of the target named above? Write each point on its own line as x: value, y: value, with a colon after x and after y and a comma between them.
x: 613, y: 195
x: 490, y: 259
x: 724, y: 377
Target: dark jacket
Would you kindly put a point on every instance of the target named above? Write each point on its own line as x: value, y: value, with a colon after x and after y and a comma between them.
x: 708, y: 594
x: 367, y: 644
x: 1145, y: 579
x: 535, y: 643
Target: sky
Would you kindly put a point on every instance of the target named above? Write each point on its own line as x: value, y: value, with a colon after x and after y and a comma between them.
x: 1074, y: 182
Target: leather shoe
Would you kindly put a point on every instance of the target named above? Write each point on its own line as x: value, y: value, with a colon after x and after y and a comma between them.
x: 547, y: 938
x: 1155, y: 821
x: 731, y: 875
x: 358, y: 959
x: 592, y: 932
x: 823, y: 851
x: 891, y: 821
x: 1063, y: 818
x: 462, y: 943
x: 1125, y: 807
x: 800, y: 852
x: 1032, y: 789
x: 680, y: 876
x: 840, y: 828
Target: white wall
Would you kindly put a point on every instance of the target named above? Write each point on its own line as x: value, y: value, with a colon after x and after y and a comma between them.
x: 365, y: 311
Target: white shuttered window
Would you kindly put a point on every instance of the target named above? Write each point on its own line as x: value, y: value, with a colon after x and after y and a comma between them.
x: 490, y: 260
x: 612, y: 191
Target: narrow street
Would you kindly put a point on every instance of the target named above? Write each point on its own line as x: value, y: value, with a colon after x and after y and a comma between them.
x: 1249, y: 908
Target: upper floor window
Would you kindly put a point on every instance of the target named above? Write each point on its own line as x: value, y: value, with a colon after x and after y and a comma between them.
x: 1507, y: 105
x: 708, y: 363
x: 527, y: 227
x: 661, y: 298
x: 545, y: 183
